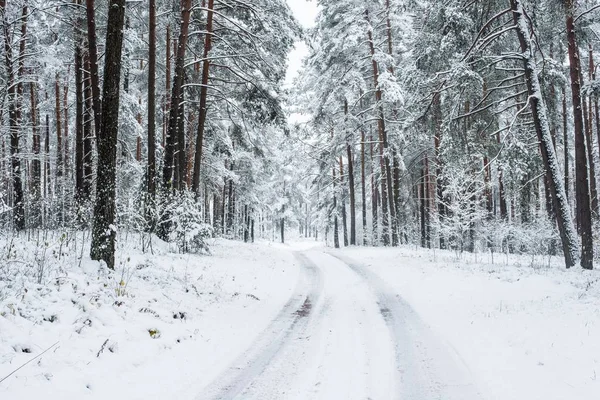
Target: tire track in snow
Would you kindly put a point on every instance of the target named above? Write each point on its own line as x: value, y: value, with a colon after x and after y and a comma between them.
x: 427, y: 368
x: 290, y: 322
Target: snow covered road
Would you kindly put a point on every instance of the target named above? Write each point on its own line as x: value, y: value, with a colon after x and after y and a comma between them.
x: 344, y: 334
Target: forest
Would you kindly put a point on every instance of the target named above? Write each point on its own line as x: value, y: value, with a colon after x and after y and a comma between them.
x: 465, y: 125
x: 299, y: 199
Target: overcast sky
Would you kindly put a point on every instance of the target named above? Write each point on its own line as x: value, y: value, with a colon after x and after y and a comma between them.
x: 305, y: 12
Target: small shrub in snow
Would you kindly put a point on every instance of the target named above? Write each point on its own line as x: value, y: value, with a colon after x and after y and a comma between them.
x: 189, y: 230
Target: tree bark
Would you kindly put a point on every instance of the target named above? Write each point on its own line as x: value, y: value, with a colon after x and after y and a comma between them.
x: 151, y: 108
x: 350, y: 185
x: 104, y: 230
x: 336, y: 237
x: 208, y: 38
x: 79, y: 197
x: 567, y: 232
x: 388, y: 210
x: 374, y: 194
x: 167, y: 108
x: 352, y: 195
x: 93, y: 61
x: 590, y: 140
x: 582, y: 191
x: 88, y: 171
x: 565, y: 141
x: 14, y: 116
x: 36, y: 166
x: 363, y: 186
x: 176, y: 97
x: 59, y: 138
x: 343, y: 204
x: 439, y: 184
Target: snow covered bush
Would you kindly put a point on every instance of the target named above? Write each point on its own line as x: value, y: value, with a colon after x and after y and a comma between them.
x: 189, y: 229
x: 462, y: 194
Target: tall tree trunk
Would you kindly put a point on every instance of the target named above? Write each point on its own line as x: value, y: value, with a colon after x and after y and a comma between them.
x: 167, y: 108
x: 350, y: 186
x: 14, y: 117
x: 87, y: 134
x: 78, y: 120
x: 439, y: 184
x: 590, y: 140
x: 363, y: 188
x: 208, y: 38
x: 388, y: 210
x: 395, y: 164
x: 176, y: 97
x: 151, y: 110
x: 65, y: 108
x: 582, y: 193
x: 180, y: 155
x: 36, y: 184
x: 343, y: 203
x: 59, y: 139
x: 93, y: 61
x: 374, y: 194
x: 352, y: 195
x: 47, y: 172
x: 567, y: 232
x: 565, y: 141
x: 104, y: 231
x: 336, y: 237
x: 589, y: 146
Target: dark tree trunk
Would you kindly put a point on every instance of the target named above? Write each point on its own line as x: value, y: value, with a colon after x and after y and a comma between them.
x: 93, y: 61
x: 152, y: 104
x: 590, y: 139
x: 180, y: 155
x: 59, y: 138
x: 167, y: 108
x: 104, y: 231
x: 208, y: 38
x: 439, y: 184
x: 14, y: 120
x: 538, y: 109
x: 502, y: 195
x: 565, y: 141
x: 78, y: 123
x: 388, y: 210
x: 36, y: 166
x: 374, y: 194
x: 582, y: 193
x: 47, y: 172
x: 65, y: 108
x: 589, y: 145
x: 336, y: 237
x: 352, y: 195
x: 87, y: 136
x: 176, y: 98
x: 343, y: 203
x: 363, y: 188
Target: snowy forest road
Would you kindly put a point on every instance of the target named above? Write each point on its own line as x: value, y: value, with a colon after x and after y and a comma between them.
x: 344, y: 334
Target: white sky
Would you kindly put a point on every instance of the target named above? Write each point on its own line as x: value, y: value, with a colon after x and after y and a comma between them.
x: 305, y: 12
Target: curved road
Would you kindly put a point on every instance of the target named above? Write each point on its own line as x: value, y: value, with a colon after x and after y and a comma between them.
x: 344, y: 334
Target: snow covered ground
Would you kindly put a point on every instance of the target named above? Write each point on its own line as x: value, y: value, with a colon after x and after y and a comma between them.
x: 300, y: 321
x: 167, y: 331
x: 525, y: 329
